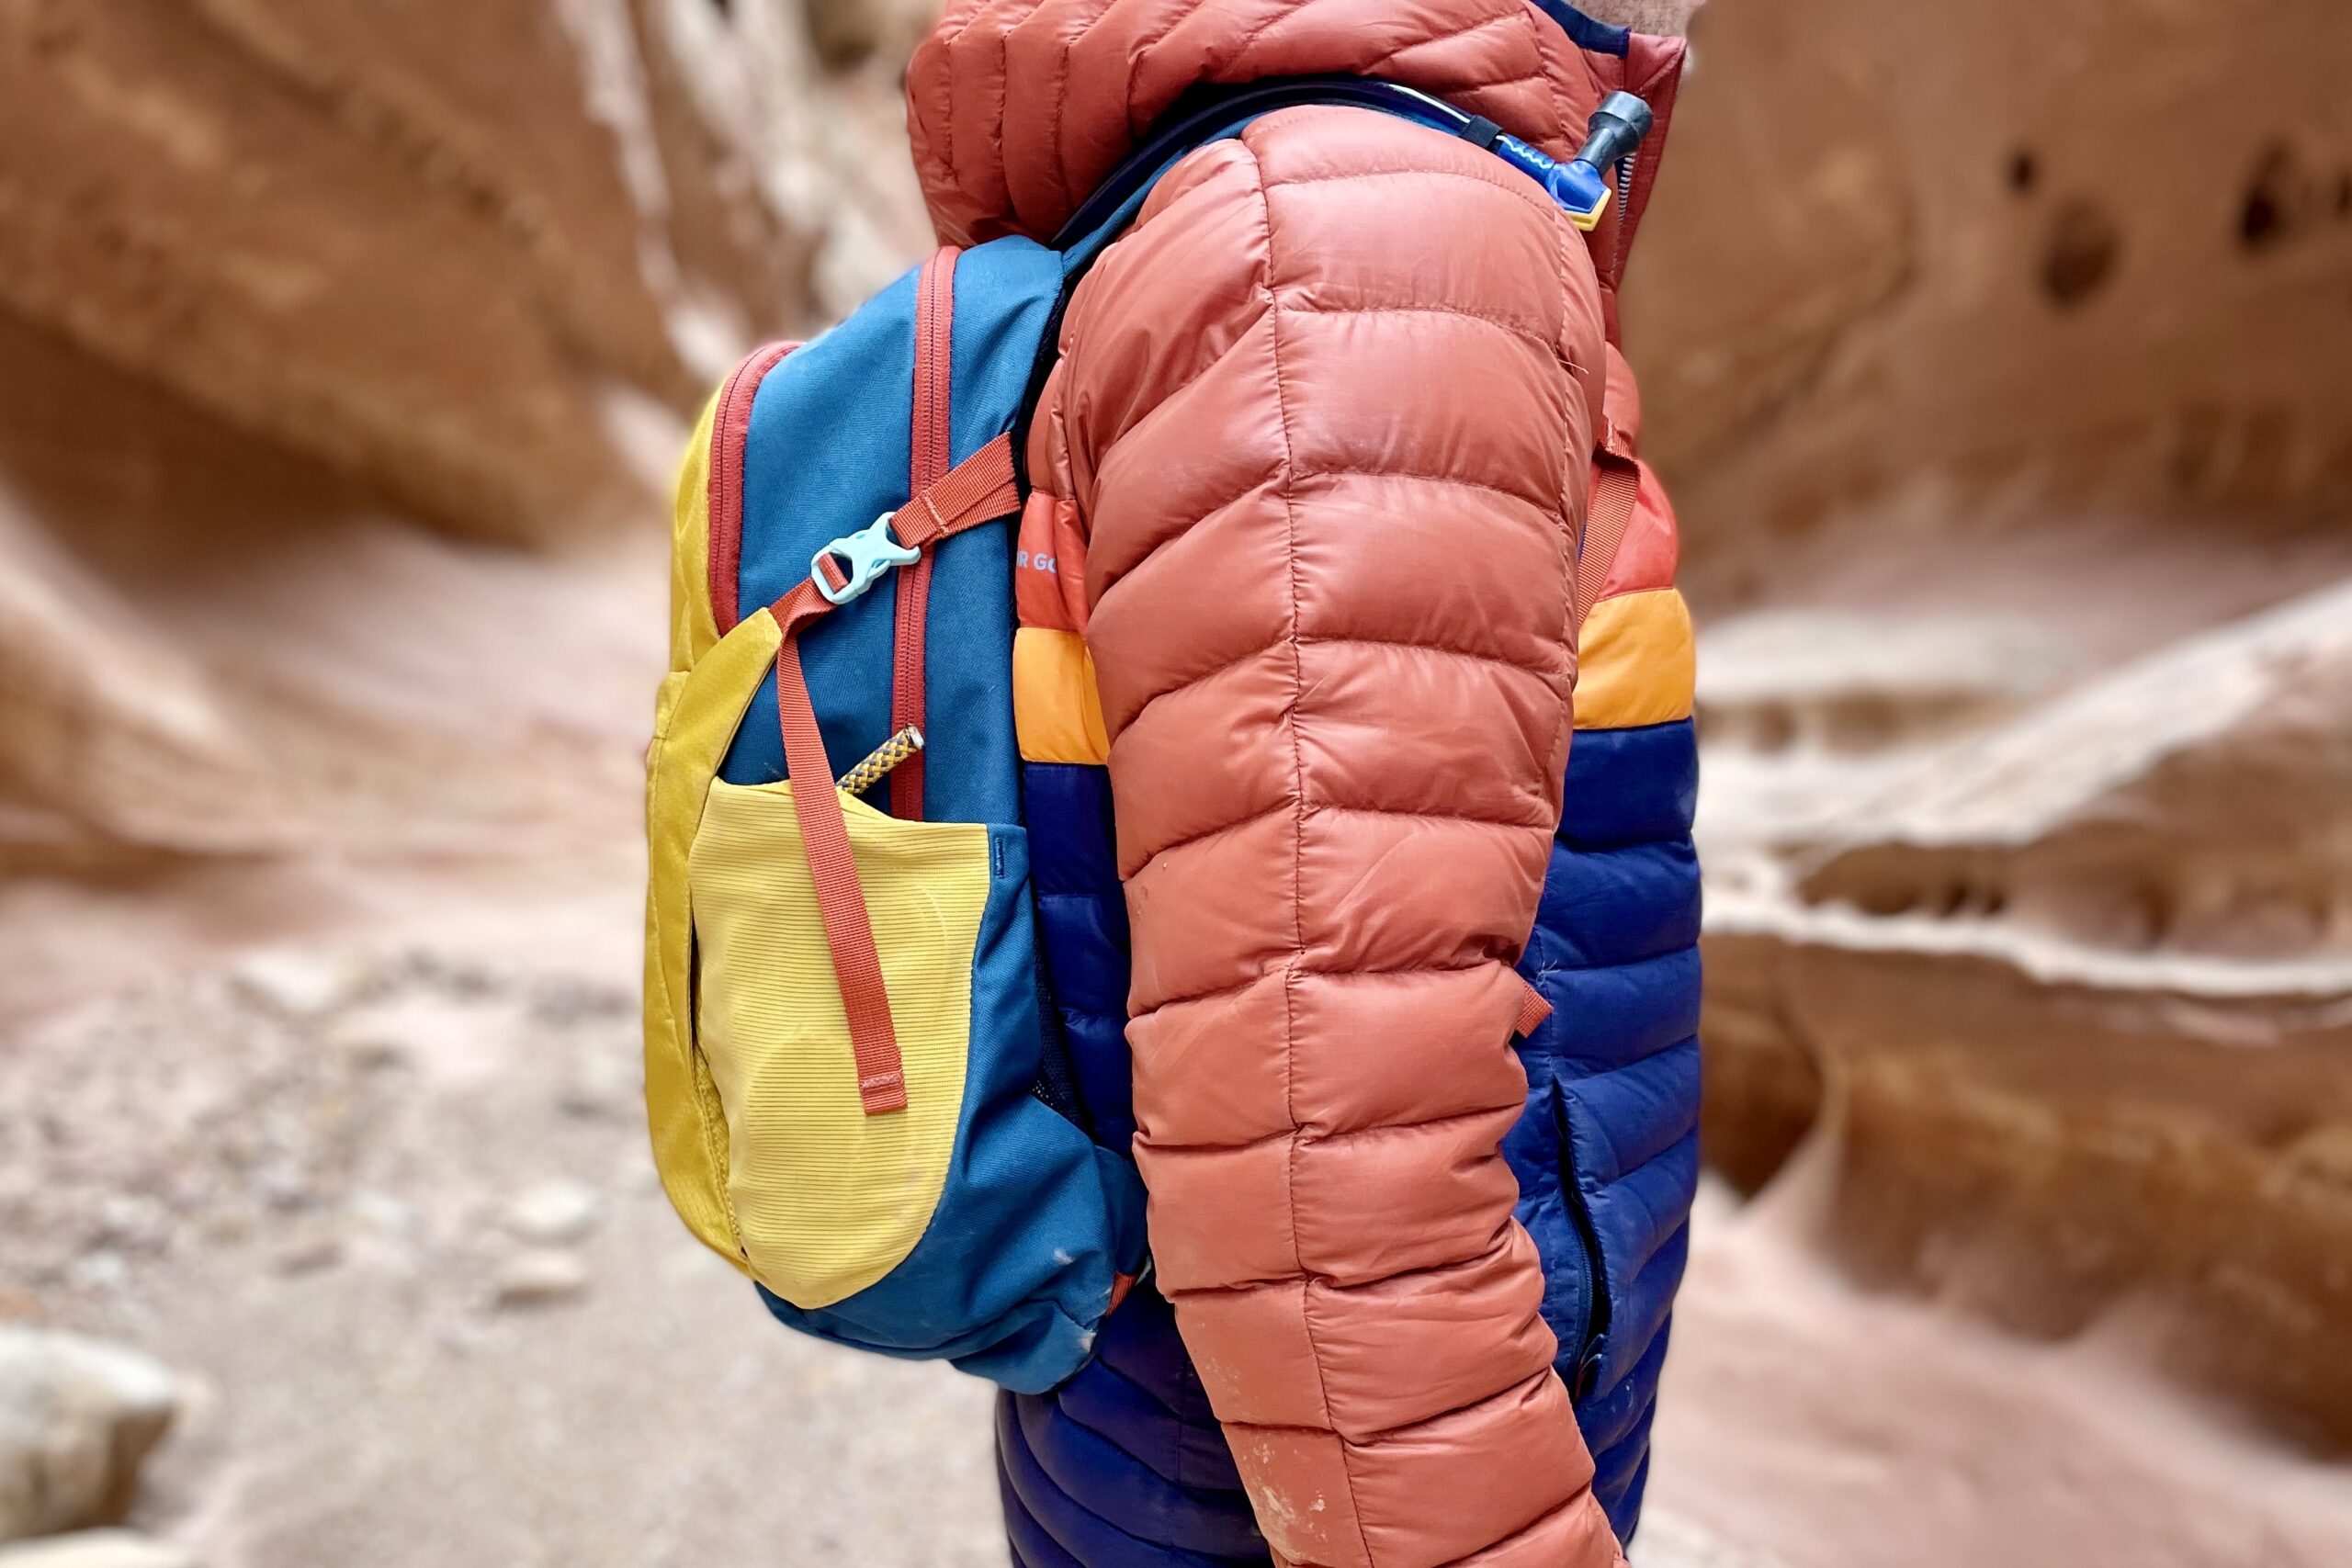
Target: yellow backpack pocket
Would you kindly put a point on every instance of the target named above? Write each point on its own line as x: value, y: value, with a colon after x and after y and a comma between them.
x: 763, y: 1144
x: 695, y: 718
x: 827, y: 1199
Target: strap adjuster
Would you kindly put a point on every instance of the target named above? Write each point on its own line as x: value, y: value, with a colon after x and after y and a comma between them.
x: 870, y: 552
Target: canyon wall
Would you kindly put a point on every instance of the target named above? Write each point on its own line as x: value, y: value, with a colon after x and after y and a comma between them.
x: 2002, y: 359
x: 297, y: 302
x: 2000, y: 253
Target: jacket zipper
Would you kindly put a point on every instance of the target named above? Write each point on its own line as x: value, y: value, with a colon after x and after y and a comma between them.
x: 1624, y: 218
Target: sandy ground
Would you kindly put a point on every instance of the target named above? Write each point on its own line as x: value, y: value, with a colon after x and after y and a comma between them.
x: 293, y: 1177
x: 1837, y: 1428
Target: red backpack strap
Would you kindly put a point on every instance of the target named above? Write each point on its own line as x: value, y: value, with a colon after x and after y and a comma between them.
x: 841, y: 898
x: 934, y: 379
x: 978, y: 490
x: 1616, y: 488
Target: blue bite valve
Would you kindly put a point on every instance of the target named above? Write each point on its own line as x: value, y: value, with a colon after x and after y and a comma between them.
x: 1580, y: 186
x: 1580, y: 190
x: 1615, y: 131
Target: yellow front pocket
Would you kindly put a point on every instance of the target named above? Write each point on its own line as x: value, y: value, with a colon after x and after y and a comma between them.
x: 695, y: 718
x: 825, y: 1199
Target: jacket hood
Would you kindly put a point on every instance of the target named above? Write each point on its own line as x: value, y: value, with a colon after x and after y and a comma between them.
x: 1018, y: 109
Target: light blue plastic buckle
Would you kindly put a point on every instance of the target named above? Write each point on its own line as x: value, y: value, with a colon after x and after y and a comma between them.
x: 870, y: 552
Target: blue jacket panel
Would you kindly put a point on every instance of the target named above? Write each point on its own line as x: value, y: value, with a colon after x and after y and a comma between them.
x: 1125, y: 1464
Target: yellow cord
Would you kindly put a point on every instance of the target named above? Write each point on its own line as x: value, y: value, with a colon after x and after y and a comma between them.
x: 881, y: 760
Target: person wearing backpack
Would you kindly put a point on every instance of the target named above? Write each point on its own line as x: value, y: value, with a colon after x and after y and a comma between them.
x: 1210, y: 553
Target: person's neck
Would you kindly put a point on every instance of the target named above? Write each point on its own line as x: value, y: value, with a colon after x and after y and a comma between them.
x: 1665, y: 17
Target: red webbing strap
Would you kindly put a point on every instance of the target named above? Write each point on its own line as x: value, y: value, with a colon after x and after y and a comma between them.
x: 978, y: 490
x: 1616, y: 486
x: 930, y: 444
x: 841, y: 898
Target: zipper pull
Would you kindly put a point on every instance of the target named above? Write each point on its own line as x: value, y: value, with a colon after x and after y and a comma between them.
x: 881, y: 760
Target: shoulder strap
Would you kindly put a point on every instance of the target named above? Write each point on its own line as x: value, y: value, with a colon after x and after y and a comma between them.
x: 1211, y: 115
x: 1578, y: 186
x: 1616, y: 489
x: 1200, y: 117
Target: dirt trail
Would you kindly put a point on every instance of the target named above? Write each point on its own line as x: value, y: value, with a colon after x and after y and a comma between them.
x: 295, y: 1176
x: 292, y: 1179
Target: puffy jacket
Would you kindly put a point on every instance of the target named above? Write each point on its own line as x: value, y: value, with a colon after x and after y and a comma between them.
x: 1309, y: 477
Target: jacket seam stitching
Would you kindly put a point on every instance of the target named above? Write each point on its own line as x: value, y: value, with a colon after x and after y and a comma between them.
x: 1299, y: 847
x: 1139, y: 51
x: 1388, y: 1434
x: 1374, y: 67
x: 1000, y: 75
x: 1318, y: 807
x: 1549, y: 508
x: 1276, y: 306
x: 1520, y: 330
x: 1199, y: 373
x: 1526, y: 199
x: 1321, y: 807
x: 1440, y: 1272
x: 1552, y: 511
x: 1223, y: 828
x: 1353, y: 972
x: 1444, y: 649
x: 1060, y: 146
x: 1403, y: 645
x: 1581, y: 1496
x: 1346, y: 1134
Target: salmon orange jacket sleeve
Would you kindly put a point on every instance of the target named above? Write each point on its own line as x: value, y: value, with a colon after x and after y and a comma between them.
x: 1322, y: 422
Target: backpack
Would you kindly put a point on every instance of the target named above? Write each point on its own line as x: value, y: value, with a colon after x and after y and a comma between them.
x: 854, y: 1081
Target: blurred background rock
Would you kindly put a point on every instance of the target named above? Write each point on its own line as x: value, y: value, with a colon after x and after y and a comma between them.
x: 2001, y: 358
